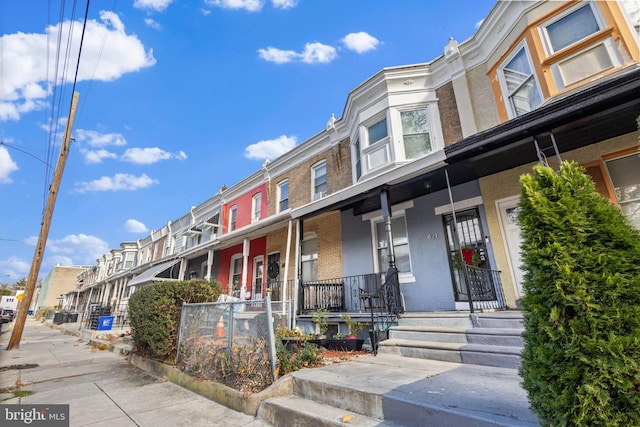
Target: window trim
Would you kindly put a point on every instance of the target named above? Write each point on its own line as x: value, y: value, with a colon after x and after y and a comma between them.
x: 234, y: 258
x: 506, y: 94
x: 544, y: 33
x: 279, y: 199
x: 316, y: 195
x: 256, y: 207
x: 233, y: 218
x: 409, y: 108
x: 403, y: 277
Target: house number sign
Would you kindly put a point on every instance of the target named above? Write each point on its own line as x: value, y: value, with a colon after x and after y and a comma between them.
x: 432, y: 236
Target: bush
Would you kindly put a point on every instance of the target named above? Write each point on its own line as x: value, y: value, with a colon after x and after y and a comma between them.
x: 154, y: 314
x: 581, y: 257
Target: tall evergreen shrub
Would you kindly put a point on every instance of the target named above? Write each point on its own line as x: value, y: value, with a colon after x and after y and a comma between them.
x: 154, y: 314
x: 581, y: 257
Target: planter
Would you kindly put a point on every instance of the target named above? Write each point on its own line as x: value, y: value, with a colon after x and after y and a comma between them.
x: 320, y: 342
x: 345, y: 344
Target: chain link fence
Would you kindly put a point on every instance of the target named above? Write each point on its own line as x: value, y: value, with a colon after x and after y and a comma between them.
x: 232, y: 342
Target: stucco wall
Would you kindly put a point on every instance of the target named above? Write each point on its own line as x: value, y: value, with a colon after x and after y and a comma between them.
x: 505, y: 184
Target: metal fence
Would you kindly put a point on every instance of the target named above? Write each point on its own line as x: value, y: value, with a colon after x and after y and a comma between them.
x: 232, y: 342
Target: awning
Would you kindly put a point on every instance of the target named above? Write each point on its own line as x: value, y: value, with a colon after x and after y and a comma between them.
x: 156, y: 273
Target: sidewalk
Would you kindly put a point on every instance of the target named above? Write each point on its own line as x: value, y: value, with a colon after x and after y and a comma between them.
x: 100, y: 387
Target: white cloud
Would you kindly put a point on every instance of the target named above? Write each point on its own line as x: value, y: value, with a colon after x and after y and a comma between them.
x: 313, y: 53
x: 118, y: 182
x: 97, y: 139
x: 278, y: 56
x: 26, y: 81
x: 157, y: 5
x: 318, y: 52
x: 360, y: 42
x: 97, y: 156
x: 77, y: 249
x: 135, y: 226
x: 270, y: 149
x: 248, y: 5
x: 15, y: 268
x: 152, y: 23
x: 146, y: 156
x: 7, y: 165
x: 284, y: 4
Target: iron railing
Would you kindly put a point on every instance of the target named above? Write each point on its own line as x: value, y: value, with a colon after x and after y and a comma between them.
x: 486, y: 288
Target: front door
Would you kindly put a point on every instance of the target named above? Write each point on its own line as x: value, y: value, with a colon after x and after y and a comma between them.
x: 508, y: 211
x: 273, y: 276
x: 467, y: 235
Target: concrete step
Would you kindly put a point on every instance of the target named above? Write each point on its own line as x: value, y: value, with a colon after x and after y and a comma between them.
x: 503, y: 337
x: 433, y: 333
x: 453, y: 319
x: 491, y: 355
x: 387, y: 390
x: 433, y: 350
x: 297, y: 411
x: 498, y: 319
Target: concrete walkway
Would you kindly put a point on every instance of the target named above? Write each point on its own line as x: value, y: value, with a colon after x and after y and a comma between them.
x: 100, y: 387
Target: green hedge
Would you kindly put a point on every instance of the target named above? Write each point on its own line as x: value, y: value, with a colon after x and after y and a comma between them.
x: 154, y: 314
x: 581, y: 257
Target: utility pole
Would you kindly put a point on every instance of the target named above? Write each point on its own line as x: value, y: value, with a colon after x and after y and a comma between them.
x: 16, y: 335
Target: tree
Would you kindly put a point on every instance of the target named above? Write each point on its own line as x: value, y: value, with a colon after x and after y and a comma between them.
x: 581, y: 257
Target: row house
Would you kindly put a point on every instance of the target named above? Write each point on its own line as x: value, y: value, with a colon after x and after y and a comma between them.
x: 408, y: 201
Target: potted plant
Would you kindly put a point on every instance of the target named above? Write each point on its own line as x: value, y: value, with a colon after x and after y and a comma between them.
x: 319, y: 319
x: 348, y: 341
x: 353, y: 326
x: 291, y: 338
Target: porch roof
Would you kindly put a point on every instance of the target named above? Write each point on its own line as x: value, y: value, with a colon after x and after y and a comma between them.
x: 151, y: 274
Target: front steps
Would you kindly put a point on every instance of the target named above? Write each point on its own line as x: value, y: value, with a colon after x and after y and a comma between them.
x: 491, y: 339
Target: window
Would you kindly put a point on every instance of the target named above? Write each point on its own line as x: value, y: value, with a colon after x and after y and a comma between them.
x: 310, y: 260
x: 235, y: 275
x: 258, y: 274
x: 415, y: 133
x: 256, y: 207
x: 319, y: 179
x: 521, y: 86
x: 626, y: 185
x: 233, y: 214
x: 283, y: 196
x: 571, y: 28
x: 377, y: 131
x: 400, y: 245
x: 358, y: 157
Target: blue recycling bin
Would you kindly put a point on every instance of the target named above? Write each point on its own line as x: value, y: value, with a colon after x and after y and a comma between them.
x: 105, y: 323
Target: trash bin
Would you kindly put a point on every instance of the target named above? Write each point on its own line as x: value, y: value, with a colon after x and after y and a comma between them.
x: 105, y: 323
x: 73, y: 317
x: 58, y: 318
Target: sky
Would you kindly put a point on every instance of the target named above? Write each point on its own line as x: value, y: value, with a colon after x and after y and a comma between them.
x: 177, y: 98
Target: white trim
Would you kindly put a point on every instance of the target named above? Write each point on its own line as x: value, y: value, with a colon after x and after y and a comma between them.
x: 459, y: 205
x: 398, y: 209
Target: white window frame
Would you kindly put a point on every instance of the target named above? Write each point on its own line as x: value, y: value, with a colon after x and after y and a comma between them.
x: 279, y: 201
x: 233, y: 217
x: 309, y: 258
x: 507, y: 95
x: 256, y: 207
x: 233, y: 273
x: 374, y: 218
x: 623, y: 203
x: 315, y: 193
x: 258, y: 270
x: 429, y: 129
x: 377, y: 154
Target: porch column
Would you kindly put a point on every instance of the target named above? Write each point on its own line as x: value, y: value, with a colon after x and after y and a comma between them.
x: 245, y: 266
x: 209, y: 263
x: 386, y: 213
x: 296, y: 272
x: 286, y: 270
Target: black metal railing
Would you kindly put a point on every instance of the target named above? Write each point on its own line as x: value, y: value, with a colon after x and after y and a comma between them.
x: 486, y: 288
